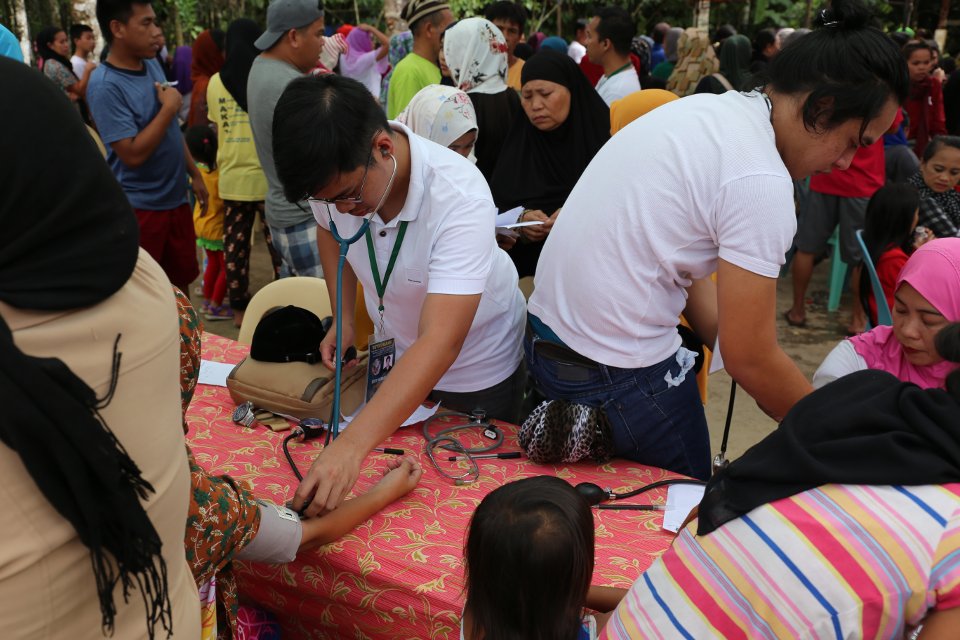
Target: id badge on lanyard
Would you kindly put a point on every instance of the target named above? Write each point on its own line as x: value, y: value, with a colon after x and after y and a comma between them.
x: 383, y: 349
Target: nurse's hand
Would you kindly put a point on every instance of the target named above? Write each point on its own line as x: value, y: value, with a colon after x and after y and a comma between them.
x: 330, y: 478
x: 328, y: 346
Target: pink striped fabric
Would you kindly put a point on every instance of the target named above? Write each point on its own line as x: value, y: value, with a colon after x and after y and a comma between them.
x: 841, y: 561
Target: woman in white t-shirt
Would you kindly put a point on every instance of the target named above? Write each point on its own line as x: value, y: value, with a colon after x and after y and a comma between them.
x: 698, y: 186
x: 433, y: 278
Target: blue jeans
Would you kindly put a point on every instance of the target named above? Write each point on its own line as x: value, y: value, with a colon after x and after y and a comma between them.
x: 655, y: 414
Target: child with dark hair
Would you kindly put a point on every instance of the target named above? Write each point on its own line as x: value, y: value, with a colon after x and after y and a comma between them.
x: 924, y: 107
x: 208, y: 223
x: 529, y: 555
x: 889, y: 235
x: 81, y: 35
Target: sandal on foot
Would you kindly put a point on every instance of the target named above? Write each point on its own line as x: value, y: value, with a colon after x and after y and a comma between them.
x: 223, y: 312
x: 792, y: 322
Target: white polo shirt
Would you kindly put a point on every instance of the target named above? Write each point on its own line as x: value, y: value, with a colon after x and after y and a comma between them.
x: 619, y: 85
x: 449, y: 248
x: 690, y: 182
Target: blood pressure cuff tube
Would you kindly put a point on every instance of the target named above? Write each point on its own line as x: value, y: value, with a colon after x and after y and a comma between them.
x: 278, y: 538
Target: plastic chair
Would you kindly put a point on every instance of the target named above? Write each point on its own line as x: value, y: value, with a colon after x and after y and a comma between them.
x: 883, y: 311
x: 838, y: 273
x: 306, y: 292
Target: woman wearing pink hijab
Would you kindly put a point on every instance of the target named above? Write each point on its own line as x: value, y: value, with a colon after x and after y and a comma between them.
x: 927, y: 299
x: 361, y: 62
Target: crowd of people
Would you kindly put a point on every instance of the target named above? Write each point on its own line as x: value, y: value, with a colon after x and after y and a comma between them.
x: 658, y: 180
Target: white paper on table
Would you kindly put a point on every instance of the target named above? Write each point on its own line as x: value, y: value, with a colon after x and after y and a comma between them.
x: 419, y: 414
x: 214, y: 373
x: 681, y: 499
x: 716, y: 361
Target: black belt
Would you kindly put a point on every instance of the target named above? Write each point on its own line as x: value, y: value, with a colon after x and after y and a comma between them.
x: 558, y: 352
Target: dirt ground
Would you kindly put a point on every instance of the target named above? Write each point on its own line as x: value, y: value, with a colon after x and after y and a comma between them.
x: 807, y: 346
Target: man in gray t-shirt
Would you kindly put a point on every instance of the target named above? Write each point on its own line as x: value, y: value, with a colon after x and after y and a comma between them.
x: 291, y: 47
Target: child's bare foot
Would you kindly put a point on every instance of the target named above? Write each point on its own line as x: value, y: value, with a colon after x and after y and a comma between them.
x: 402, y: 476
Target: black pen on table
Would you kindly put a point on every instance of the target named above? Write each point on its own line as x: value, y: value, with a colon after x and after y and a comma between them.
x: 498, y: 456
x: 633, y: 507
x: 394, y: 452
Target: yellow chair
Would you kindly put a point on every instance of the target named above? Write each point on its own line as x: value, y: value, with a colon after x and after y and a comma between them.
x: 305, y: 292
x: 363, y: 325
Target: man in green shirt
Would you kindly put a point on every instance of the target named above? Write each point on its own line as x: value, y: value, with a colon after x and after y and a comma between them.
x: 427, y: 20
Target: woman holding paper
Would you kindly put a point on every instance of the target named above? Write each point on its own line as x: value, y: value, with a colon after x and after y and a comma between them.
x: 563, y: 124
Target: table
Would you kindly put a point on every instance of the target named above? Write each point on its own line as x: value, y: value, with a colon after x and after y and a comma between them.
x: 400, y: 574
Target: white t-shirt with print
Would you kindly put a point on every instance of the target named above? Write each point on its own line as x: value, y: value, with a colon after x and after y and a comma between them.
x: 690, y: 182
x: 449, y: 248
x: 620, y: 84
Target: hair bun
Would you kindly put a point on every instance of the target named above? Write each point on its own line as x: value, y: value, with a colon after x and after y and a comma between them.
x: 845, y: 14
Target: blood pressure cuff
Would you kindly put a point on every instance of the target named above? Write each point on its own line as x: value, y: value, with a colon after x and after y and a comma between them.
x: 278, y: 537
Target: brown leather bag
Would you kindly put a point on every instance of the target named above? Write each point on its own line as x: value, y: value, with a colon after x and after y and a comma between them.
x: 297, y: 389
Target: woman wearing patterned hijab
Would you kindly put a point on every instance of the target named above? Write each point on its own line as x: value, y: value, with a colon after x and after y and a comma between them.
x: 697, y: 59
x: 475, y: 51
x: 444, y: 115
x: 400, y: 45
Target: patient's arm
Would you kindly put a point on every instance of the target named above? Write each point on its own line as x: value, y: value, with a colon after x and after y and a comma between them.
x: 398, y: 481
x: 282, y: 534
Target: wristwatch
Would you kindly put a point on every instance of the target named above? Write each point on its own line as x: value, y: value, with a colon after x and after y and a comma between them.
x: 243, y: 414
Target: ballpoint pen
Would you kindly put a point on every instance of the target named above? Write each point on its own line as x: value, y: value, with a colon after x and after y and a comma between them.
x: 633, y: 507
x: 498, y: 456
x: 395, y: 452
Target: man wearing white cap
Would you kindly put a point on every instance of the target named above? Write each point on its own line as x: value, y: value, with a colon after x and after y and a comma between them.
x: 419, y: 68
x: 291, y: 47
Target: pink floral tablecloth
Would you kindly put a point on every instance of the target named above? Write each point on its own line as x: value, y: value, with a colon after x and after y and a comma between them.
x: 400, y: 574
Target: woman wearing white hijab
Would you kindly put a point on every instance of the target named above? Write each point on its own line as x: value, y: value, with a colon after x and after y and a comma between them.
x: 443, y: 115
x: 475, y: 51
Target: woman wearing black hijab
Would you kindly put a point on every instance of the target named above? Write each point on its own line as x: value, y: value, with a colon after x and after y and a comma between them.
x: 93, y: 473
x: 563, y: 125
x: 242, y: 184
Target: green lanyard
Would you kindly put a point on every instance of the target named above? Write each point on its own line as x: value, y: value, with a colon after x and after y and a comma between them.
x: 623, y: 68
x: 382, y: 286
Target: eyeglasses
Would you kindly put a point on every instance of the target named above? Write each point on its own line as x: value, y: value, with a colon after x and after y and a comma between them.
x: 354, y: 199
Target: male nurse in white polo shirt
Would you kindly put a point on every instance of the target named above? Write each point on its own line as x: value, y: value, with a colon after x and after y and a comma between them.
x: 434, y: 280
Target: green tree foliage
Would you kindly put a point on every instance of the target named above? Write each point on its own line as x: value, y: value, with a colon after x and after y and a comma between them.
x: 184, y: 19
